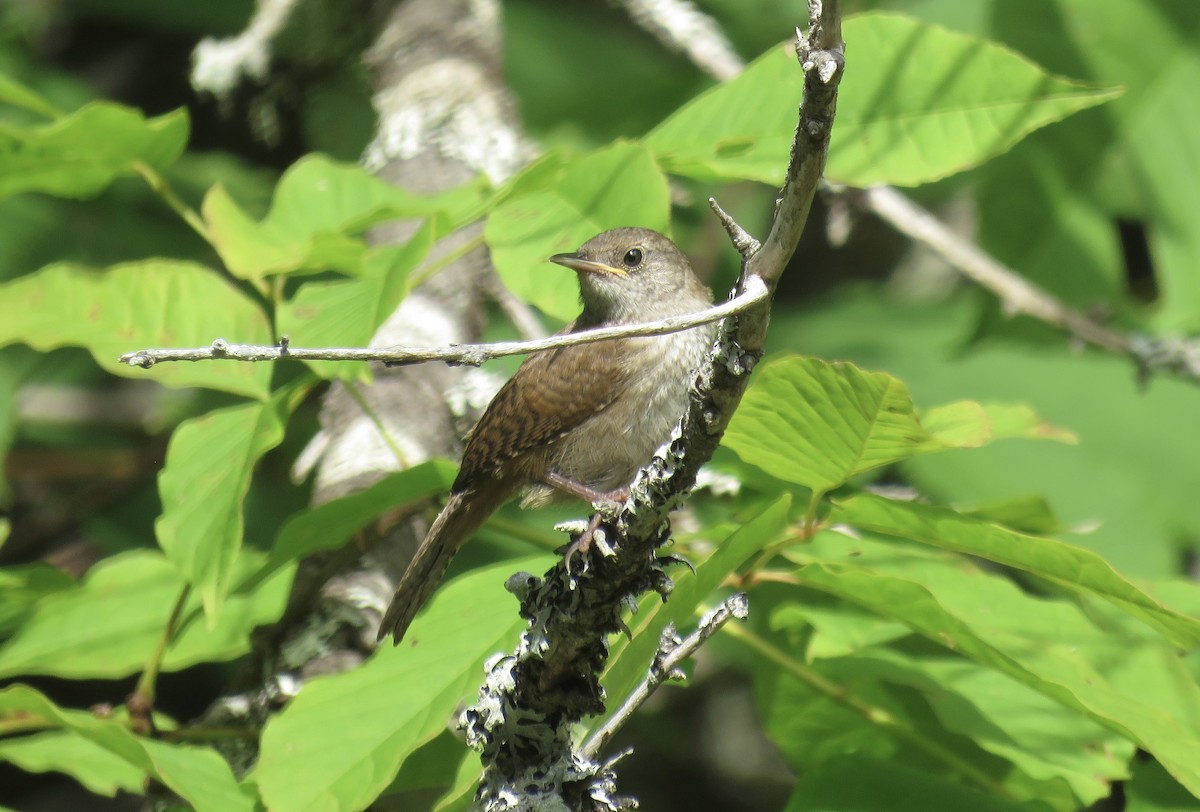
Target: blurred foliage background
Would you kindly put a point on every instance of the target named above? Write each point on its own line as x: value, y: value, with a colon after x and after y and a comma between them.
x: 1096, y: 201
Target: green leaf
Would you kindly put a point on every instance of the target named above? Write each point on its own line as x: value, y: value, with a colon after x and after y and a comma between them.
x: 106, y: 626
x: 1071, y: 567
x: 210, y: 460
x: 1020, y: 420
x: 16, y: 94
x: 197, y: 774
x: 920, y: 103
x: 21, y: 588
x: 817, y: 423
x: 837, y: 630
x: 620, y: 185
x: 741, y: 129
x: 933, y: 102
x: 1112, y: 490
x: 347, y: 313
x: 1044, y: 645
x: 1043, y: 739
x: 1153, y: 790
x: 348, y: 734
x: 433, y: 766
x: 986, y: 728
x: 155, y: 303
x: 16, y: 364
x: 80, y: 154
x: 1028, y: 514
x: 98, y: 769
x: 855, y: 783
x: 1132, y: 161
x: 967, y: 424
x: 328, y: 526
x: 319, y: 210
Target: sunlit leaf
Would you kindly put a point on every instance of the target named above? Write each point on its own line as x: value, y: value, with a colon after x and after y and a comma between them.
x: 197, y: 774
x: 1068, y: 566
x: 348, y: 734
x: 139, y: 305
x: 202, y: 486
x: 80, y: 154
x: 108, y: 624
x: 318, y: 214
x: 920, y: 102
x: 616, y: 186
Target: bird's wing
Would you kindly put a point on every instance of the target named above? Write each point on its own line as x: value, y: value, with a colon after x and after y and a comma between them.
x: 552, y: 392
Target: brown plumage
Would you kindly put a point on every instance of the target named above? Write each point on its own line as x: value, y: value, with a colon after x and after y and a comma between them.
x: 591, y: 414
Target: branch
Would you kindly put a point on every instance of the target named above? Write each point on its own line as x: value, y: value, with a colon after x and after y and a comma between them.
x: 682, y: 27
x: 219, y: 64
x: 1020, y: 296
x: 532, y: 699
x: 468, y: 354
x: 671, y: 653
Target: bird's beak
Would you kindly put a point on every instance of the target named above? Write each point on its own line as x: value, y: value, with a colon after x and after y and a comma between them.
x: 578, y: 263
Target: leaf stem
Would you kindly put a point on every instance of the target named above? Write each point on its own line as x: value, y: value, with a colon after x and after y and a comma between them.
x: 446, y: 259
x: 875, y: 715
x: 141, y: 701
x: 808, y: 528
x: 356, y: 393
x: 161, y: 187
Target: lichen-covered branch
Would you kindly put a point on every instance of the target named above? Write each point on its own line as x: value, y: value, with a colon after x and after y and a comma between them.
x: 533, y: 697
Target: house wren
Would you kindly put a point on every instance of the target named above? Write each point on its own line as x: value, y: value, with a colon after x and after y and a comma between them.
x: 578, y: 420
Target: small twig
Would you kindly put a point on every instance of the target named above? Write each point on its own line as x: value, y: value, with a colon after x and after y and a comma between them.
x: 516, y: 309
x: 470, y: 354
x: 1020, y: 296
x: 671, y: 653
x: 821, y: 53
x: 746, y: 245
x: 1017, y: 293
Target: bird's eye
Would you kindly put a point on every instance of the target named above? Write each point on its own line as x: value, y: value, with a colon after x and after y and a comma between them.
x: 632, y: 258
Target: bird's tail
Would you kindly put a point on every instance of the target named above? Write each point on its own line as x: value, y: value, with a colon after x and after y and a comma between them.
x: 458, y: 521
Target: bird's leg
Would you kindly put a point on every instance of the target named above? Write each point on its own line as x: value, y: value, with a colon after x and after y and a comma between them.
x: 597, y: 498
x: 578, y: 489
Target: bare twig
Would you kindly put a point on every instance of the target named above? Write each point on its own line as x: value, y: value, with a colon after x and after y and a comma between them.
x: 517, y: 310
x: 1017, y: 293
x: 1020, y: 296
x: 672, y: 651
x: 218, y: 65
x: 746, y: 245
x: 682, y: 27
x: 469, y: 354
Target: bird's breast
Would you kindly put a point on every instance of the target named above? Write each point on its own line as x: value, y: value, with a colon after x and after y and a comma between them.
x: 607, y: 450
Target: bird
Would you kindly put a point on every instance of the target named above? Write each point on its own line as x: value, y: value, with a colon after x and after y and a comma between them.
x: 579, y: 420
